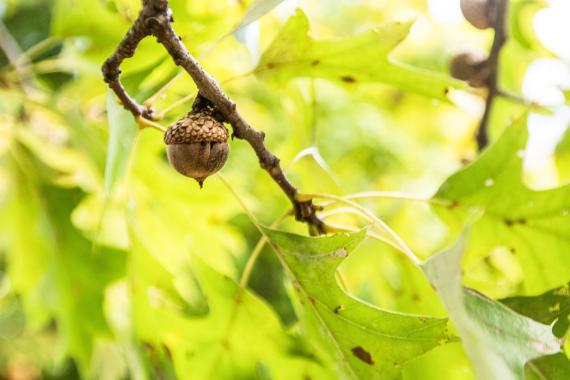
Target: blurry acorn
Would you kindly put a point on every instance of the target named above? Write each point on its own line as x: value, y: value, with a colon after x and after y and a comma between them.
x: 470, y: 67
x: 197, y: 145
x: 478, y: 12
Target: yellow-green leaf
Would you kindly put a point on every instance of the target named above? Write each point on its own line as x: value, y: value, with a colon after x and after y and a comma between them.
x: 364, y: 58
x: 362, y: 341
x: 522, y: 237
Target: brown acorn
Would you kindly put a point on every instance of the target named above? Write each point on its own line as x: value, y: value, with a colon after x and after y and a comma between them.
x: 197, y: 145
x: 479, y: 13
x: 470, y: 67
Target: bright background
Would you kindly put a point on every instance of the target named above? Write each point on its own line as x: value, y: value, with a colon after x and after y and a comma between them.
x: 69, y: 229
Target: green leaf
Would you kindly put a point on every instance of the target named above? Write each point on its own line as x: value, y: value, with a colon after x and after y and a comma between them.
x: 549, y: 307
x: 71, y: 19
x: 553, y: 367
x: 362, y: 341
x: 497, y: 340
x: 521, y: 23
x: 519, y: 227
x: 360, y: 59
x: 122, y: 133
x: 562, y: 156
x: 228, y: 341
x: 52, y: 264
x: 566, y: 93
x: 132, y: 80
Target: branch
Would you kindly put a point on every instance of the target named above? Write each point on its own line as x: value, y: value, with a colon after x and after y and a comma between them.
x: 156, y: 19
x: 499, y: 24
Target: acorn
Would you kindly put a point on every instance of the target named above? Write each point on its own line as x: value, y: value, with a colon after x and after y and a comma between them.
x: 197, y: 145
x: 479, y: 13
x: 470, y: 67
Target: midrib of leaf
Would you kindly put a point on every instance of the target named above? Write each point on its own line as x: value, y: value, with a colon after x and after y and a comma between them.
x: 380, y: 334
x: 536, y: 371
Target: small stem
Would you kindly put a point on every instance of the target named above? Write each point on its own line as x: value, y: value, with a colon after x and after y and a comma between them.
x: 187, y: 98
x: 392, y: 195
x: 381, y: 239
x: 388, y: 195
x: 11, y: 49
x: 176, y: 104
x: 521, y: 100
x: 397, y: 242
x: 145, y: 123
x: 39, y: 48
x: 250, y: 215
x: 151, y: 100
x: 248, y: 269
x: 351, y: 210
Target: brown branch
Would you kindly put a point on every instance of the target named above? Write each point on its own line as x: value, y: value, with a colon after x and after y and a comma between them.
x: 499, y: 24
x: 156, y: 19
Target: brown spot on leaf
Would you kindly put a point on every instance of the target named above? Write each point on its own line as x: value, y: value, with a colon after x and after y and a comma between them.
x: 338, y: 309
x: 446, y: 91
x: 347, y: 79
x: 311, y: 299
x: 452, y: 205
x: 340, y: 253
x: 271, y: 65
x: 148, y: 346
x: 511, y: 222
x: 316, y: 62
x: 363, y: 355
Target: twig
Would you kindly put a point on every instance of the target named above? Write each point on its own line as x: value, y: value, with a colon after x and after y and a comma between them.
x: 499, y: 24
x: 156, y: 19
x: 394, y: 239
x: 11, y: 49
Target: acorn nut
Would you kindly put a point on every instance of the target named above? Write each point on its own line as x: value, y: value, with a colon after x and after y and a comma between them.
x: 197, y: 145
x: 478, y: 12
x: 470, y: 67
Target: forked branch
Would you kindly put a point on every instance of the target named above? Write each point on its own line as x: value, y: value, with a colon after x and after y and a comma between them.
x: 156, y: 19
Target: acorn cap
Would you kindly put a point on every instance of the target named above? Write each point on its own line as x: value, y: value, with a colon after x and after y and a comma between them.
x: 196, y: 127
x: 197, y: 145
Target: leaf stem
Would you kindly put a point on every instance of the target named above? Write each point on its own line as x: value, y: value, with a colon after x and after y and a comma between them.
x: 396, y: 241
x: 153, y: 98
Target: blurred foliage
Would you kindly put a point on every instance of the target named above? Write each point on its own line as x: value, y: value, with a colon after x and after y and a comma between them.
x: 113, y: 266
